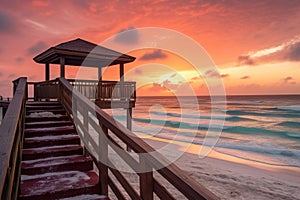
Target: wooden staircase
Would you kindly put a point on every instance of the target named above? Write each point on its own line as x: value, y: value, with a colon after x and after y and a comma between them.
x: 53, y: 165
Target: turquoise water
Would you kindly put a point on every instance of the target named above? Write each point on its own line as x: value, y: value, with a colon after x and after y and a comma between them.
x: 260, y: 128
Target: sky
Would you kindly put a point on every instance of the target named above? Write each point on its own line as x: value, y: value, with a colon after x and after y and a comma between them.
x: 255, y: 45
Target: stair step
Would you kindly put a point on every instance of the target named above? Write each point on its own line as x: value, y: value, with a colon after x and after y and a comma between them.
x: 54, y: 111
x: 42, y: 107
x: 58, y: 185
x: 55, y: 164
x: 52, y: 140
x: 48, y: 118
x: 53, y: 151
x: 34, y: 132
x: 45, y: 124
x: 88, y: 197
x: 43, y: 103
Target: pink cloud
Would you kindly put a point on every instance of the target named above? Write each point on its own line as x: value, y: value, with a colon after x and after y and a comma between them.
x: 245, y: 77
x: 156, y: 54
x: 289, y: 80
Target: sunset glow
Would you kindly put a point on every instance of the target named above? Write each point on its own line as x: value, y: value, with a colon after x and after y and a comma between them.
x: 255, y: 44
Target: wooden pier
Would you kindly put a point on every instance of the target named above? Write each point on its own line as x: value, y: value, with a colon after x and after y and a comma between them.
x: 47, y: 150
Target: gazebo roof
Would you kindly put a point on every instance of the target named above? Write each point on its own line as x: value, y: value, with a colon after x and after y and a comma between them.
x: 80, y: 52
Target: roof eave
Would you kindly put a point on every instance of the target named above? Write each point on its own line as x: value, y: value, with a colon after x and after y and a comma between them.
x: 42, y: 58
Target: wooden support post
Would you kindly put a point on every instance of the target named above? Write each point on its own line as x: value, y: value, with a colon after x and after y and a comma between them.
x: 129, y: 118
x: 122, y: 81
x: 103, y: 153
x: 129, y: 123
x: 99, y: 88
x: 4, y: 111
x: 60, y: 91
x: 26, y: 91
x: 47, y: 72
x: 121, y: 72
x: 15, y: 85
x: 146, y: 179
x: 99, y: 73
x: 62, y: 67
x: 35, y: 92
x: 1, y: 113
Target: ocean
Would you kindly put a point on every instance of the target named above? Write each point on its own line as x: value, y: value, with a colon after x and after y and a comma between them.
x: 263, y: 129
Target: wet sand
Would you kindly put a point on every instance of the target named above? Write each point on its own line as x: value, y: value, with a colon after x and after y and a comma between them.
x: 235, y: 178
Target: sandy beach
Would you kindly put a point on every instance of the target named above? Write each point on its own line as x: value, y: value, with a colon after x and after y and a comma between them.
x: 234, y: 178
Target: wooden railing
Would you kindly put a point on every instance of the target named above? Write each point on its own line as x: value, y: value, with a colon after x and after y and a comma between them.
x: 148, y: 166
x: 87, y: 87
x: 92, y: 89
x: 105, y: 90
x: 45, y: 89
x: 11, y: 137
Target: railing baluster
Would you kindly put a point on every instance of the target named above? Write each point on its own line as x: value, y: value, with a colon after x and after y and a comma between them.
x: 103, y: 160
x: 146, y: 179
x: 85, y: 116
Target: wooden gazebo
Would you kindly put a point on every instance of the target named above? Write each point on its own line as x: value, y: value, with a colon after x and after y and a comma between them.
x: 79, y: 52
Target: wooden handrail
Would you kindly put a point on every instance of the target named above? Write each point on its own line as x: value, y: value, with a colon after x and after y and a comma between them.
x: 11, y: 136
x: 154, y: 160
x: 95, y: 81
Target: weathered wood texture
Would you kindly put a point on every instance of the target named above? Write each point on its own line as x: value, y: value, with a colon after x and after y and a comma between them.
x: 86, y: 111
x: 11, y: 137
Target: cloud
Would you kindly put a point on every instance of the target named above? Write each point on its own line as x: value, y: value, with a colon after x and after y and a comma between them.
x: 36, y: 24
x: 170, y: 86
x: 165, y: 86
x: 245, y: 60
x: 289, y: 80
x: 286, y: 79
x: 158, y: 88
x: 127, y: 36
x: 81, y: 4
x: 287, y: 51
x: 212, y: 73
x: 32, y: 77
x: 173, y: 75
x: 40, y: 3
x: 1, y: 74
x: 19, y: 59
x: 224, y: 75
x: 138, y: 71
x: 37, y: 48
x: 10, y: 76
x: 294, y: 52
x: 156, y: 54
x: 245, y: 77
x: 195, y: 78
x: 7, y: 23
